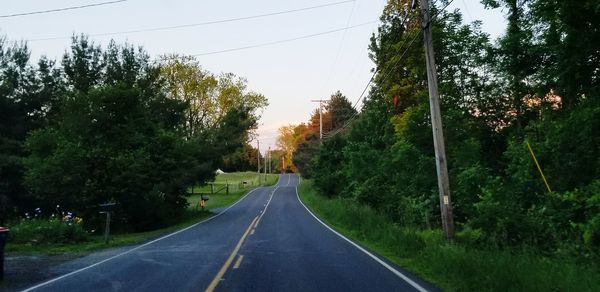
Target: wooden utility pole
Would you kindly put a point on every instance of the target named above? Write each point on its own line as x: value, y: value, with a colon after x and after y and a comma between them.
x: 258, y: 158
x: 269, y: 158
x: 320, y: 101
x: 436, y: 123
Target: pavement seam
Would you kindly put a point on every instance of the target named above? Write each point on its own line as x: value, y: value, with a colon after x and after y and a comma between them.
x: 386, y: 265
x: 135, y: 248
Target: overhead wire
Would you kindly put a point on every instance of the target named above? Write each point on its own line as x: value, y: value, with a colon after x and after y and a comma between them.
x: 61, y: 9
x: 282, y: 41
x: 339, y: 50
x: 386, y: 74
x: 202, y: 23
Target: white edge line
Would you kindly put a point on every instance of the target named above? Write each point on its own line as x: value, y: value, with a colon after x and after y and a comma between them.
x: 386, y: 265
x: 137, y: 247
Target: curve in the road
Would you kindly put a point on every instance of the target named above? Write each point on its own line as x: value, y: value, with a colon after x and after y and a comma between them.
x: 267, y: 241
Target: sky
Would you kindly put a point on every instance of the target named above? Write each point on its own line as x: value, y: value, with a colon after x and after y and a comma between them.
x: 290, y: 74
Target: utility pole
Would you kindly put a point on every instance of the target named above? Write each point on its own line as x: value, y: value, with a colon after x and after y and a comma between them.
x: 258, y: 158
x: 266, y: 155
x: 436, y: 123
x: 320, y: 101
x: 269, y: 158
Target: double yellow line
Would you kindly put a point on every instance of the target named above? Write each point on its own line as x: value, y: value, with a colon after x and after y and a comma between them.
x: 225, y: 267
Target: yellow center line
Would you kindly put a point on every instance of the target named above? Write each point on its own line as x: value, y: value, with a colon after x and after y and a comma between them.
x: 238, y: 262
x: 262, y: 213
x: 225, y: 266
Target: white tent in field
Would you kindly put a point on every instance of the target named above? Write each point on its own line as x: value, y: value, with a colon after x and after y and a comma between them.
x: 218, y: 171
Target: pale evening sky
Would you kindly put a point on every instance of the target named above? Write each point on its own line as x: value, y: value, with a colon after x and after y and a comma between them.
x: 289, y: 74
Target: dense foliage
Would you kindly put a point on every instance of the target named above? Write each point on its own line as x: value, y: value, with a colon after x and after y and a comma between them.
x: 110, y: 125
x: 537, y: 84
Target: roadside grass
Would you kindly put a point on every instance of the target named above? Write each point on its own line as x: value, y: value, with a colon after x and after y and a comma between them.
x: 192, y: 215
x: 221, y: 199
x: 235, y: 180
x: 458, y: 266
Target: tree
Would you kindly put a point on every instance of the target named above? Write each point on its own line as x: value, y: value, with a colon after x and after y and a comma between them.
x: 243, y: 159
x: 113, y: 138
x: 567, y: 35
x: 208, y: 97
x: 287, y: 141
x: 29, y: 98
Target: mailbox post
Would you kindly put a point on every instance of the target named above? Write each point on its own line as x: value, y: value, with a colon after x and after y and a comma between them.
x: 203, y: 199
x: 107, y: 209
x: 3, y: 237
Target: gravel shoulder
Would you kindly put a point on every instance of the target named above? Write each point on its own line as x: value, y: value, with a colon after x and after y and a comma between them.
x: 23, y: 270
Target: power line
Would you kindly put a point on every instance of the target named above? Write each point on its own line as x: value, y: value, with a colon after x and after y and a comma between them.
x: 61, y: 9
x: 201, y: 23
x: 386, y: 74
x: 283, y: 41
x: 347, y: 123
x: 339, y: 50
x: 362, y: 95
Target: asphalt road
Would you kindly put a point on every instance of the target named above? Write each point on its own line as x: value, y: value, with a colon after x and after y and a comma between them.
x: 268, y: 241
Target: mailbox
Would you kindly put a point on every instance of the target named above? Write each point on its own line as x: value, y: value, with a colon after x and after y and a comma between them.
x: 108, y: 207
x: 204, y: 197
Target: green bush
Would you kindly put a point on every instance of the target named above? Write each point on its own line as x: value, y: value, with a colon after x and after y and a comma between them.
x: 45, y: 231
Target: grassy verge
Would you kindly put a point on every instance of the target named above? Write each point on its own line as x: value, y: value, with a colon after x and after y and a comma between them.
x: 222, y: 199
x: 236, y: 180
x: 192, y: 215
x: 452, y: 267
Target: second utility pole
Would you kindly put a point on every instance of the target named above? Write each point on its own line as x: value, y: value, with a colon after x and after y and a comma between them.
x: 320, y: 101
x: 436, y: 124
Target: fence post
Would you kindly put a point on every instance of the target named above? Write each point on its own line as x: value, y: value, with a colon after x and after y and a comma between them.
x: 227, y: 189
x: 212, y: 188
x: 107, y: 227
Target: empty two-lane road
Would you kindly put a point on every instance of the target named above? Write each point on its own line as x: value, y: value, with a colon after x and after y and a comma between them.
x: 268, y: 241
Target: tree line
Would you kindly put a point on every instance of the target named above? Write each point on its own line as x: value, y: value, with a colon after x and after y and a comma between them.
x: 112, y: 125
x: 538, y: 83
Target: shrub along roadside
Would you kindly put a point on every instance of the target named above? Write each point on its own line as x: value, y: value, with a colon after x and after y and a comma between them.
x: 59, y: 237
x: 460, y: 266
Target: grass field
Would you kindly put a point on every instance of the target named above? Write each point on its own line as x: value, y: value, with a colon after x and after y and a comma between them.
x: 235, y: 180
x: 191, y: 216
x: 455, y: 266
x: 236, y: 188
